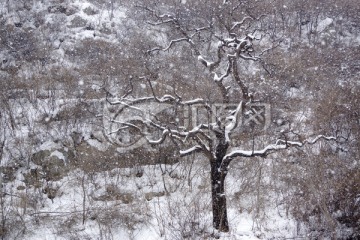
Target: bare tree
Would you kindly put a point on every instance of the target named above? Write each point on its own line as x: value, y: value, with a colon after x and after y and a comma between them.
x: 222, y: 38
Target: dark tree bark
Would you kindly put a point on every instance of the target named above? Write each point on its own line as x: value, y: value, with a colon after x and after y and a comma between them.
x: 220, y: 220
x: 218, y: 174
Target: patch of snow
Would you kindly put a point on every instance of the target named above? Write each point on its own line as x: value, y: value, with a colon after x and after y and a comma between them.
x: 324, y: 24
x: 294, y: 92
x: 58, y: 154
x: 49, y: 145
x: 98, y: 145
x: 81, y: 82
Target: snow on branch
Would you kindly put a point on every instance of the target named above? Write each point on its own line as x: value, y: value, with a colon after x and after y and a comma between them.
x: 128, y: 101
x: 279, y: 145
x: 236, y: 24
x: 165, y: 133
x: 308, y: 141
x: 160, y: 22
x: 195, y: 130
x: 169, y: 19
x: 175, y: 41
x: 194, y: 101
x: 191, y: 150
x: 234, y: 120
x: 203, y: 61
x: 249, y: 57
x: 218, y: 78
x: 172, y: 42
x: 203, y: 145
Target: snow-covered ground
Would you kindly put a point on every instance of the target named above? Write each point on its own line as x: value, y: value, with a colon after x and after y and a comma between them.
x: 166, y: 202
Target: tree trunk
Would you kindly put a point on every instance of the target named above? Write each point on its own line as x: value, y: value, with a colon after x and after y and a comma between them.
x: 218, y: 174
x: 220, y: 220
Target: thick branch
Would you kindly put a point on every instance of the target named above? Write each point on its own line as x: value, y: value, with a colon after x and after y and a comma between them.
x: 279, y: 145
x: 224, y: 91
x: 234, y: 121
x: 236, y: 76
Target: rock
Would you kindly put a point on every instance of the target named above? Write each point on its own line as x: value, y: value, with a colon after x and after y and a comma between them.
x: 33, y: 178
x: 89, y: 28
x: 20, y: 188
x: 54, y: 169
x: 105, y: 30
x: 126, y: 198
x: 57, y: 9
x: 39, y: 157
x: 77, y: 138
x: 150, y: 195
x: 50, y: 192
x: 68, y: 11
x: 112, y: 189
x: 78, y: 22
x: 90, y: 11
x: 91, y: 159
x: 9, y: 173
x: 53, y: 164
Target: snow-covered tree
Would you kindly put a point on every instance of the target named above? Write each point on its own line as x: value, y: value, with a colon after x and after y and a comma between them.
x: 219, y: 37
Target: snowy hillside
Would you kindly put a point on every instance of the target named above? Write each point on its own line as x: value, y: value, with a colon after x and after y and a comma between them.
x: 168, y: 120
